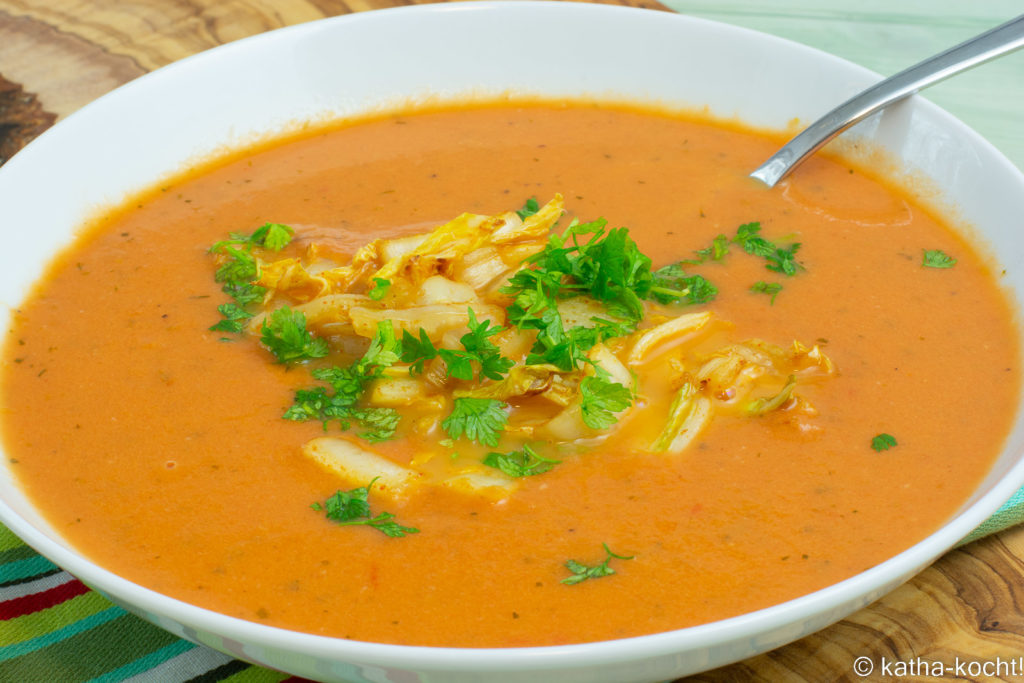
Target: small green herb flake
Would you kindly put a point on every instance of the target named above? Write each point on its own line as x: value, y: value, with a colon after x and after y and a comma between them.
x: 531, y: 207
x: 883, y: 442
x: 935, y: 258
x: 772, y: 289
x: 380, y: 288
x: 582, y: 572
x: 350, y: 508
x: 716, y: 252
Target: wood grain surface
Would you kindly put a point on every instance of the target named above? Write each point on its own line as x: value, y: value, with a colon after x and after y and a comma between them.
x: 58, y: 55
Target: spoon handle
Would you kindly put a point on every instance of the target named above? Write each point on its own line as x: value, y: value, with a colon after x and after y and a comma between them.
x: 970, y: 53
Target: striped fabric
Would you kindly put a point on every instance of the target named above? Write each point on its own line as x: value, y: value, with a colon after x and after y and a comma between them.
x: 53, y: 629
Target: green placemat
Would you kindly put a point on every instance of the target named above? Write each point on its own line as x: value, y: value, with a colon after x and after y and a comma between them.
x: 54, y: 629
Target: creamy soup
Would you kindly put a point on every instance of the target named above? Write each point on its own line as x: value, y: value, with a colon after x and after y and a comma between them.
x: 873, y: 378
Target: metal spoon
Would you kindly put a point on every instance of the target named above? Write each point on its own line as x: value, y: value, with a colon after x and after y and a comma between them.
x: 970, y: 53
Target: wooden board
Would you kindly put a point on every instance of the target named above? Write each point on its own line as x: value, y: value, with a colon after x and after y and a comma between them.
x: 58, y: 55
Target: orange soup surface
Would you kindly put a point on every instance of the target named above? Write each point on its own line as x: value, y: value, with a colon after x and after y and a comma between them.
x: 157, y: 446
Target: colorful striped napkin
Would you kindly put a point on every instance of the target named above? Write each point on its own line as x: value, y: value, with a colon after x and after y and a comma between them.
x: 54, y: 629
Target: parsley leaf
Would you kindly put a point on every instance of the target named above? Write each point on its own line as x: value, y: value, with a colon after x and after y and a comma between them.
x: 581, y: 572
x: 606, y: 265
x: 671, y: 284
x: 347, y: 386
x: 935, y: 258
x: 883, y: 442
x: 716, y: 252
x: 234, y: 318
x: 284, y: 333
x: 479, y: 419
x: 770, y: 288
x: 349, y: 508
x: 380, y: 423
x: 783, y: 260
x: 272, y: 236
x: 602, y: 398
x: 522, y: 463
x: 478, y: 348
x: 240, y: 268
x: 748, y: 236
x: 417, y: 351
x: 384, y: 351
x: 531, y: 207
x: 779, y: 259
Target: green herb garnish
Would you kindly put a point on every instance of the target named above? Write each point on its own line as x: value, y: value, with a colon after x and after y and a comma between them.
x: 602, y: 398
x: 380, y: 288
x: 477, y: 348
x: 524, y: 463
x: 529, y: 208
x: 284, y: 333
x: 240, y: 269
x: 935, y: 258
x: 581, y: 572
x: 772, y: 289
x: 479, y: 419
x: 778, y: 259
x: 605, y: 265
x: 883, y: 442
x: 341, y: 401
x: 234, y: 319
x: 350, y: 508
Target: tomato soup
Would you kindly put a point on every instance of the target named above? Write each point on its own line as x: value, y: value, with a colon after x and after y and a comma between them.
x: 157, y: 446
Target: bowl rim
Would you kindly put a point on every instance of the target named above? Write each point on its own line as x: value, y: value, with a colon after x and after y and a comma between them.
x: 869, y: 584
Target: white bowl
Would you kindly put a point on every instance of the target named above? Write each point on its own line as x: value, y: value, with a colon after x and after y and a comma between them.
x: 151, y: 127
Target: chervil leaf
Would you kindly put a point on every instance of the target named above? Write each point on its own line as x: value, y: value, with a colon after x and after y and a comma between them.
x: 603, y: 398
x: 478, y: 419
